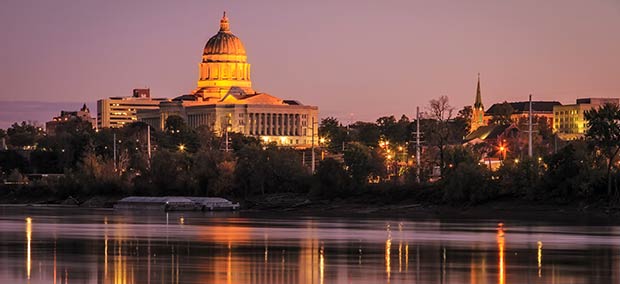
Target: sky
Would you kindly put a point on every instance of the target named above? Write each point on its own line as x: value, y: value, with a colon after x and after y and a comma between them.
x: 355, y: 59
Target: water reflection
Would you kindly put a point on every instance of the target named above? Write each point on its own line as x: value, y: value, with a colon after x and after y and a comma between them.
x: 500, y: 249
x: 114, y: 248
x: 539, y: 258
x: 29, y: 248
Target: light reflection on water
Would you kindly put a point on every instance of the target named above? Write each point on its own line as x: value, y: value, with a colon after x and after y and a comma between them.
x: 101, y: 246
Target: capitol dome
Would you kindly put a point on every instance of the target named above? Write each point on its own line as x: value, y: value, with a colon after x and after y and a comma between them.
x: 224, y: 43
x: 224, y: 65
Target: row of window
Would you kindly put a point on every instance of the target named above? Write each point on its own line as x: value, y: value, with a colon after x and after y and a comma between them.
x: 275, y: 124
x: 567, y: 112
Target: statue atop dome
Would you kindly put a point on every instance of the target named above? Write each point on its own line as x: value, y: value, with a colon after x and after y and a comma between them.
x: 224, y: 25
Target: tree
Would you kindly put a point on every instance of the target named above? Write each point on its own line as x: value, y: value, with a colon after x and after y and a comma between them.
x: 178, y: 135
x: 463, y: 121
x: 397, y: 132
x: 362, y: 163
x: 332, y: 178
x: 333, y: 132
x: 251, y: 171
x: 367, y: 133
x: 71, y: 141
x: 24, y: 134
x: 604, y: 134
x: 438, y: 131
x: 207, y: 138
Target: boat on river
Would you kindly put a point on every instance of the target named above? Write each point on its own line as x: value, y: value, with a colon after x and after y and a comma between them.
x: 175, y: 203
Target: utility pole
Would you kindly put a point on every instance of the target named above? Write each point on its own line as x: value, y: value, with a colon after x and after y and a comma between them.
x: 313, y: 166
x: 226, y: 143
x: 417, y: 144
x: 529, y: 149
x: 114, y: 148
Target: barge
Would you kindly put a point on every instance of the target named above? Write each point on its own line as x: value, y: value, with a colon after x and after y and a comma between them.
x: 175, y: 203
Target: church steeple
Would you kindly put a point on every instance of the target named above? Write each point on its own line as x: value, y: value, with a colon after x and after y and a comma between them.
x: 478, y: 104
x: 477, y: 115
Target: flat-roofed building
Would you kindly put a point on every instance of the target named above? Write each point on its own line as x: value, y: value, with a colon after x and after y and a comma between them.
x: 115, y: 112
x: 569, y: 121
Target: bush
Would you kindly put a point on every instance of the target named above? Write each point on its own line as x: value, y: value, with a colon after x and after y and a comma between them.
x: 332, y: 180
x: 470, y: 183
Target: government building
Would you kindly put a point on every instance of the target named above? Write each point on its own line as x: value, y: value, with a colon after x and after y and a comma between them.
x: 224, y: 100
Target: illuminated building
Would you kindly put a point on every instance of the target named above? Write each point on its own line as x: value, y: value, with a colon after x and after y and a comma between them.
x: 224, y: 99
x: 569, y: 122
x: 66, y: 116
x: 115, y: 112
x: 477, y: 116
x: 520, y: 110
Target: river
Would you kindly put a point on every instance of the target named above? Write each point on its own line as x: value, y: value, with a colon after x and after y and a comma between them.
x: 45, y: 245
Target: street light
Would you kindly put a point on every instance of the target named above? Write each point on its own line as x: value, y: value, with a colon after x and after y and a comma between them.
x: 182, y: 147
x: 502, y: 150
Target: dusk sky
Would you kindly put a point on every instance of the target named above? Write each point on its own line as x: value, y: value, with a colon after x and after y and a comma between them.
x: 365, y: 58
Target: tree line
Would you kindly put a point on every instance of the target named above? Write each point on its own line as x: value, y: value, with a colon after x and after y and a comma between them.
x: 360, y: 159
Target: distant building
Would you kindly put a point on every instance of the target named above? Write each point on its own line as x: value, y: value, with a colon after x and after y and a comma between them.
x: 66, y: 116
x: 477, y: 116
x: 115, y: 112
x: 521, y: 110
x: 224, y: 100
x: 569, y: 122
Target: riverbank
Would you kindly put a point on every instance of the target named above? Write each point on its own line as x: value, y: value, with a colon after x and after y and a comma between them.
x: 500, y: 209
x: 363, y: 206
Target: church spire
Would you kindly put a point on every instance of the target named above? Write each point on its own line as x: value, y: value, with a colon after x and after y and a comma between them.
x: 478, y: 103
x: 224, y: 25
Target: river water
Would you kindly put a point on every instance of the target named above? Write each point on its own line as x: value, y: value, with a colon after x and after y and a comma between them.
x: 103, y: 246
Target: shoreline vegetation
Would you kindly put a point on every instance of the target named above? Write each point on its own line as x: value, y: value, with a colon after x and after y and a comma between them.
x: 499, y: 209
x: 364, y: 168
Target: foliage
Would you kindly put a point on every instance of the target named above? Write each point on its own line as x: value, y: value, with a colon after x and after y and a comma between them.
x: 362, y: 163
x: 437, y: 129
x: 334, y: 133
x: 11, y: 159
x: 604, y: 134
x: 521, y: 177
x: 270, y: 170
x: 461, y: 125
x: 397, y: 132
x: 201, y: 167
x: 468, y: 182
x: 24, y: 135
x: 178, y: 135
x: 95, y: 175
x: 332, y: 180
x: 367, y: 133
x: 170, y: 174
x: 570, y: 176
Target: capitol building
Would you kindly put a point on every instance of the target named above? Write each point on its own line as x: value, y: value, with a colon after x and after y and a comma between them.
x: 224, y: 100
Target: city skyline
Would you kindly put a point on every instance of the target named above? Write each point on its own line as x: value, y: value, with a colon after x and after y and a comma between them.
x: 367, y: 59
